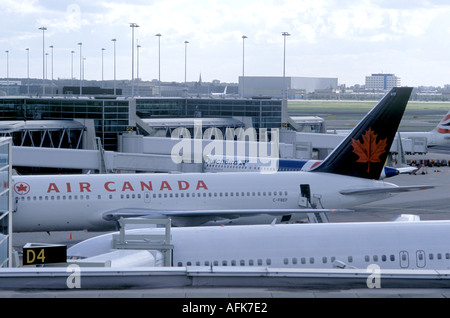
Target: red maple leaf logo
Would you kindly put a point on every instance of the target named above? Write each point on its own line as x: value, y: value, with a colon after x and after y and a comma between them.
x: 369, y: 150
x: 22, y: 188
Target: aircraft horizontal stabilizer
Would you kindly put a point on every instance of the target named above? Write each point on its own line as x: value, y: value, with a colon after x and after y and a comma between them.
x: 133, y: 213
x: 386, y: 190
x: 405, y: 170
x: 406, y: 218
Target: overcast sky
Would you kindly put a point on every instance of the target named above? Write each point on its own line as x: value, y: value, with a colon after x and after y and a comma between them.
x: 344, y: 39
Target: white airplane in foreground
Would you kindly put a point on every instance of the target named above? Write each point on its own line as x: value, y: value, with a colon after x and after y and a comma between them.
x: 346, y: 178
x: 409, y: 244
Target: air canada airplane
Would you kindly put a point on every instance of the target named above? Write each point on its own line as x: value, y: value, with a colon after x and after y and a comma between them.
x: 346, y: 178
x: 407, y: 243
x: 247, y: 164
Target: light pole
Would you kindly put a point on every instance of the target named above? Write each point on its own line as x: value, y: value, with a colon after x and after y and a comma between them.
x: 43, y: 58
x: 114, y: 41
x: 243, y: 64
x: 71, y: 66
x: 28, y: 71
x: 84, y: 60
x: 81, y: 69
x: 103, y: 83
x: 137, y: 67
x: 51, y: 46
x: 46, y: 66
x: 284, y: 34
x: 159, y: 62
x: 133, y: 26
x: 185, y: 64
x: 7, y: 72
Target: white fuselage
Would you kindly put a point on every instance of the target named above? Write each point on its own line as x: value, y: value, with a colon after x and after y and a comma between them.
x: 390, y: 245
x: 78, y: 202
x: 433, y: 137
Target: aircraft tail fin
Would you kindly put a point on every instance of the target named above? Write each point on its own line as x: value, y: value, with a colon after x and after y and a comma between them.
x: 364, y: 151
x: 444, y: 125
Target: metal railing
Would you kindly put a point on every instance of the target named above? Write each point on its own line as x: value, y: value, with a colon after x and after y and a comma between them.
x: 139, y: 240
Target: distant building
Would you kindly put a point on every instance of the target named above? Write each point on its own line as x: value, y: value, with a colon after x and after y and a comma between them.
x: 382, y: 81
x: 297, y: 87
x: 8, y: 87
x: 90, y: 90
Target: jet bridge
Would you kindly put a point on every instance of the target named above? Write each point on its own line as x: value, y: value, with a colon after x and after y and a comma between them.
x: 164, y: 127
x: 44, y: 133
x: 136, y: 249
x: 160, y: 242
x: 93, y: 160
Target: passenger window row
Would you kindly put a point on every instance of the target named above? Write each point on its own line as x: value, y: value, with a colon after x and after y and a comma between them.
x: 219, y: 194
x: 376, y: 258
x: 56, y: 197
x: 303, y: 260
x: 259, y: 168
x: 242, y: 167
x: 260, y: 262
x: 159, y: 195
x: 251, y: 262
x: 431, y: 256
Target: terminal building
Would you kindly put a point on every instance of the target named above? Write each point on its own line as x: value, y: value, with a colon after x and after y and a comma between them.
x: 382, y: 82
x: 112, y: 117
x: 264, y: 113
x: 121, y: 132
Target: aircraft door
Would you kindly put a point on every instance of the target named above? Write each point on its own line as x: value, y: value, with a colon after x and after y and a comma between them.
x: 147, y: 197
x: 404, y: 259
x: 304, y: 199
x: 420, y: 259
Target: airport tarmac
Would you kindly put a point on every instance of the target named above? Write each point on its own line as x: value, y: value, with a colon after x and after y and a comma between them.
x: 430, y: 204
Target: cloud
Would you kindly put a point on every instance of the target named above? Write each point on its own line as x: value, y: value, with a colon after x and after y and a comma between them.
x: 328, y: 37
x: 21, y: 8
x: 69, y: 20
